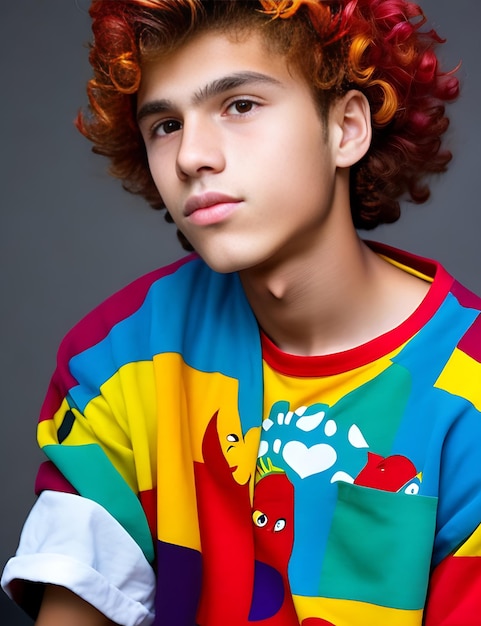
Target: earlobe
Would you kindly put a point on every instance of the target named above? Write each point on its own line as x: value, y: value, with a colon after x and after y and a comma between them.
x: 353, y: 115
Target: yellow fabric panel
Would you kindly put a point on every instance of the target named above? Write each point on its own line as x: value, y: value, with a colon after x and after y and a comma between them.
x: 349, y: 612
x: 133, y: 388
x: 122, y: 420
x: 309, y: 390
x: 457, y: 377
x: 47, y: 429
x: 183, y: 418
x: 471, y: 547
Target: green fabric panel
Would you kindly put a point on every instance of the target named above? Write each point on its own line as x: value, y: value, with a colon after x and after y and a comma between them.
x: 379, y: 547
x: 89, y: 470
x: 368, y: 405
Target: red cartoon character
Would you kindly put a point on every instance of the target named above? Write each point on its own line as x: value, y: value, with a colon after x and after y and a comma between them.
x: 389, y: 473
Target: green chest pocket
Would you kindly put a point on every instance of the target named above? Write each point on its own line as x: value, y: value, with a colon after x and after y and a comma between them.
x: 379, y: 547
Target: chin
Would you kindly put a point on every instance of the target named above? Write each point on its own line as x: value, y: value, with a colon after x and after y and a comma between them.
x: 225, y: 263
x: 222, y: 266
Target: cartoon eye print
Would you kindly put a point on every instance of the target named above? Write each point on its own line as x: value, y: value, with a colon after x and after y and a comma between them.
x: 260, y: 519
x: 232, y: 438
x: 279, y: 525
x: 239, y: 449
x: 412, y: 489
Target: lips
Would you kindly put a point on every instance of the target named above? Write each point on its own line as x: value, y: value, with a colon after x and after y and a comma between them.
x: 210, y: 208
x: 207, y: 200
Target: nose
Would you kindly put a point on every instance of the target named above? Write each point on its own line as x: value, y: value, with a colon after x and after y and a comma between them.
x: 200, y: 150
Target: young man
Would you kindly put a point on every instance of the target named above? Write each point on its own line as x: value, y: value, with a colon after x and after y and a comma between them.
x: 283, y: 426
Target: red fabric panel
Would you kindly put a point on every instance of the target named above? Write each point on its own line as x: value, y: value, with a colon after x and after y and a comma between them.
x: 454, y: 597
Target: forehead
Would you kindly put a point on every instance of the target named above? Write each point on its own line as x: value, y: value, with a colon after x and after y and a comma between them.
x: 207, y: 58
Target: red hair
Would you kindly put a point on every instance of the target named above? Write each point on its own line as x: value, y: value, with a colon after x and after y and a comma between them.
x: 380, y: 47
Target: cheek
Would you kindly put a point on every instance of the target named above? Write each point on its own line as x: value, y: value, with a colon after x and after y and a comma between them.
x: 299, y: 160
x: 155, y: 172
x: 163, y: 171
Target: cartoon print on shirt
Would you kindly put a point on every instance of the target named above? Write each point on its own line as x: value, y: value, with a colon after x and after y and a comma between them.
x: 274, y: 524
x: 273, y: 517
x: 265, y: 597
x: 318, y: 445
x: 310, y: 443
x: 273, y: 527
x: 238, y: 449
x: 315, y: 450
x: 393, y: 473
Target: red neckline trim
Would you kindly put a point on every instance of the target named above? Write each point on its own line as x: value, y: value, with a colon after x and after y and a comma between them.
x: 339, y: 362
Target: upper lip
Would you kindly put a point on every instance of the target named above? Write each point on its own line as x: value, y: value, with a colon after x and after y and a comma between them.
x: 205, y: 200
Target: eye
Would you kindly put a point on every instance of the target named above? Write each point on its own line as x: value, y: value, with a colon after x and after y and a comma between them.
x: 241, y: 107
x: 166, y: 127
x: 412, y: 489
x: 232, y: 438
x: 259, y: 518
x: 279, y: 525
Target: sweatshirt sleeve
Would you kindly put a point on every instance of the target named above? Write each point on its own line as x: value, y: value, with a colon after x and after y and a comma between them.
x: 98, y: 424
x: 73, y: 542
x: 455, y: 588
x: 93, y: 527
x: 454, y: 594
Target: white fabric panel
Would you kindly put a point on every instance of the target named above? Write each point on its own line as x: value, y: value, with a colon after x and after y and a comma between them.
x: 71, y: 541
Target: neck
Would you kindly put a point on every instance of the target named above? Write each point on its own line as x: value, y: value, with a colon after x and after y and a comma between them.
x: 332, y: 299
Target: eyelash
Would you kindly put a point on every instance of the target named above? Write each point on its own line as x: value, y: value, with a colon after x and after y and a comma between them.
x: 156, y: 128
x: 252, y: 105
x: 163, y: 125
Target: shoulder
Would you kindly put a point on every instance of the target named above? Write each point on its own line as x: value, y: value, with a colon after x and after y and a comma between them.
x: 130, y: 301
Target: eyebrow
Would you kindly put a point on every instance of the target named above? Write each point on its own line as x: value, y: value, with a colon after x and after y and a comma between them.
x: 212, y: 89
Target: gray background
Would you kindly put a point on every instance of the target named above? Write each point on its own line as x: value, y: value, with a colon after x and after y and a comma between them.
x: 70, y: 236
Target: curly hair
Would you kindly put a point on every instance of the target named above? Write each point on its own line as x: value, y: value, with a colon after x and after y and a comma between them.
x: 379, y: 47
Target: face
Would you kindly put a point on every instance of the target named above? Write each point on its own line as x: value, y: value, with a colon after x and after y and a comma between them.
x: 237, y: 150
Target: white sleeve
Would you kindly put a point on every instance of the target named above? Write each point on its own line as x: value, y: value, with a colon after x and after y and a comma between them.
x: 71, y: 541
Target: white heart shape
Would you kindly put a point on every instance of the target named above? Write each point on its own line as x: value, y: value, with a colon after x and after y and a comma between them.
x: 309, y: 461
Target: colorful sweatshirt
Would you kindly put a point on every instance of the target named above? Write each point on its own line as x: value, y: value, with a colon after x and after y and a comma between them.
x: 271, y: 489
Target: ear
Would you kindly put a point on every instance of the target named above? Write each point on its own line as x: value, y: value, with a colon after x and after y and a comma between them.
x: 352, y: 119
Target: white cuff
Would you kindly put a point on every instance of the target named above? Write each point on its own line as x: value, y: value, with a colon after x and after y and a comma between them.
x: 71, y: 541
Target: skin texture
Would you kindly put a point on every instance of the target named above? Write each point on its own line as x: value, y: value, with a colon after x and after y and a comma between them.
x: 60, y: 607
x: 288, y: 230
x: 257, y: 156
